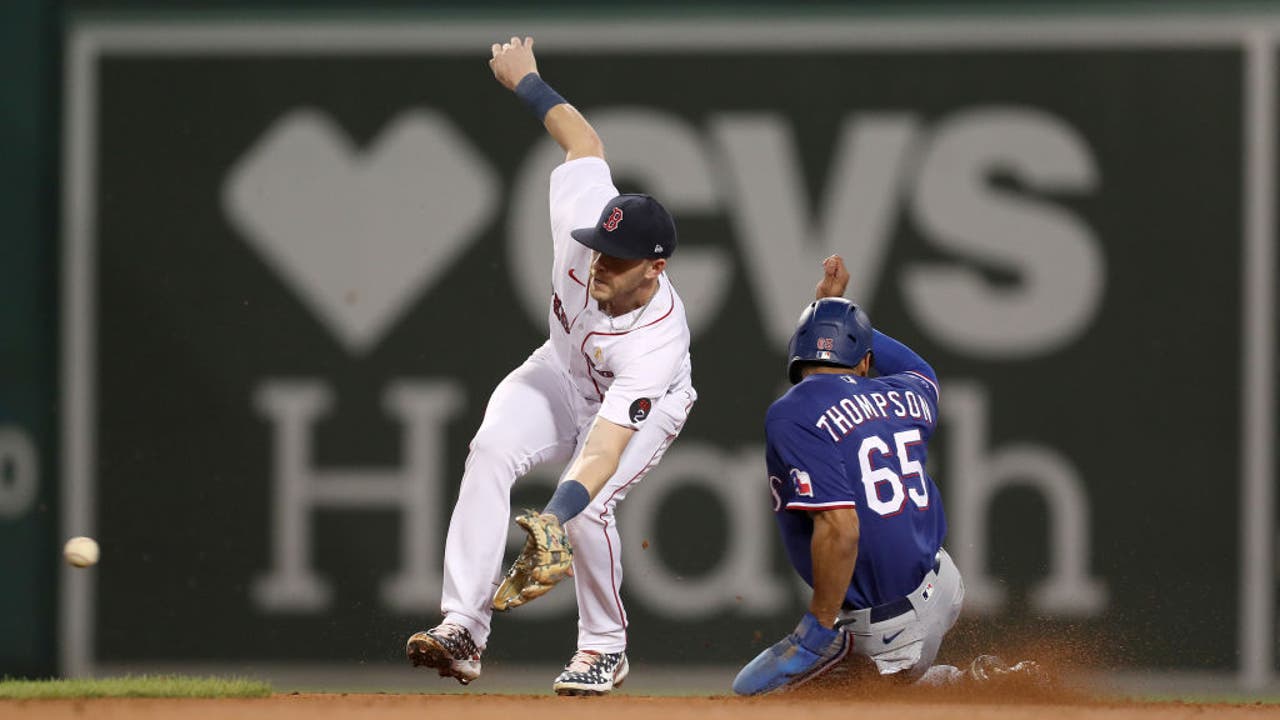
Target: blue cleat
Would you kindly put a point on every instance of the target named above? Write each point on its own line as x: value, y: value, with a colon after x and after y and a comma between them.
x: 801, y: 656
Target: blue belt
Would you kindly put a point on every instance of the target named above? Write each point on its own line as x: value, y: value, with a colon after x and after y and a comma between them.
x: 893, y: 608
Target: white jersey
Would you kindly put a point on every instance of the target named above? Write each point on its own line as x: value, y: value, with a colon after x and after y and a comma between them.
x: 625, y: 363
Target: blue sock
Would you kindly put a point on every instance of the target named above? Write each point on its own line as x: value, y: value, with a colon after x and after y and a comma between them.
x: 569, y: 499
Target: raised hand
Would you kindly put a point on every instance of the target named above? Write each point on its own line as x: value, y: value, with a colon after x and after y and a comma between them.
x: 512, y: 61
x: 835, y: 278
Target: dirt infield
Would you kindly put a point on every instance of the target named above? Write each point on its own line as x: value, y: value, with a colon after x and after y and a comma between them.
x: 619, y: 707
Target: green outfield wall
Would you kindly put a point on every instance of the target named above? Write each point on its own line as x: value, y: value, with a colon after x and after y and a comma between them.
x: 28, y: 324
x: 284, y: 256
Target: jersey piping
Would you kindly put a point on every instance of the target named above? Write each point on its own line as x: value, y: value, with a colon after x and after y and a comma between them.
x: 583, y: 347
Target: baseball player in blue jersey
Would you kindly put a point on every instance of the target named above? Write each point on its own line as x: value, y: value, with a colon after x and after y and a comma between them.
x: 861, y: 520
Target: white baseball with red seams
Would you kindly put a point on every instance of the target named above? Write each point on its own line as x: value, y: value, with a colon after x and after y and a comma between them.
x: 632, y: 370
x: 81, y: 551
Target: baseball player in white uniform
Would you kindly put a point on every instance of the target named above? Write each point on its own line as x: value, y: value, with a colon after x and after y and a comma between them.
x: 609, y: 390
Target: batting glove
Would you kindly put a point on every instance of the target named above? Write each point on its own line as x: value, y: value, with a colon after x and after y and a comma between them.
x: 801, y: 656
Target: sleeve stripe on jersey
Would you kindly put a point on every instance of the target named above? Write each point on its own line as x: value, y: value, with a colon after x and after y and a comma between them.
x: 924, y: 377
x: 821, y: 506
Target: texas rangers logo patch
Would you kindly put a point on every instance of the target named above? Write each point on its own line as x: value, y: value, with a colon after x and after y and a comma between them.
x: 611, y: 222
x: 640, y: 409
x: 804, y: 486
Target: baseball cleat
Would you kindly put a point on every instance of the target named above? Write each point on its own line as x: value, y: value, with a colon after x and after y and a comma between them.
x: 449, y: 649
x: 592, y: 673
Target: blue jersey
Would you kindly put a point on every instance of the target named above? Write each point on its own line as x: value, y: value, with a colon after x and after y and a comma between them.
x: 843, y: 441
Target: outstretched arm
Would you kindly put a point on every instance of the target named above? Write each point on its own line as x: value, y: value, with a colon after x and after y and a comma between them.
x: 601, y: 452
x: 547, y: 556
x: 514, y: 66
x: 890, y: 357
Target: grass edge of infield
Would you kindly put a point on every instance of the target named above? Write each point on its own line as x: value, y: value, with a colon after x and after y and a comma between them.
x: 134, y: 686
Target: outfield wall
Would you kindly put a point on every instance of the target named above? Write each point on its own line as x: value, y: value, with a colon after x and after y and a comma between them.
x: 297, y: 253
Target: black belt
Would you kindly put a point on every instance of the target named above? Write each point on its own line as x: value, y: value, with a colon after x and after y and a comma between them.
x: 893, y: 608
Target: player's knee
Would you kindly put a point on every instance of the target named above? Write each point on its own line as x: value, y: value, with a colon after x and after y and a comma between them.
x: 490, y: 450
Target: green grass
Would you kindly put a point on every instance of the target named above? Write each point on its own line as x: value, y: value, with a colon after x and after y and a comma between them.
x: 134, y: 686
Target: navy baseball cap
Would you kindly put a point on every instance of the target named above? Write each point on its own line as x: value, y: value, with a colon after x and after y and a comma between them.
x: 631, y: 226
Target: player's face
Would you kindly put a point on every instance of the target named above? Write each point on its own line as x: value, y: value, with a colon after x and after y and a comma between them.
x: 616, y: 278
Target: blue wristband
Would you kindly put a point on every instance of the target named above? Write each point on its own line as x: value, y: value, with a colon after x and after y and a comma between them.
x: 812, y: 636
x: 537, y: 95
x: 569, y: 499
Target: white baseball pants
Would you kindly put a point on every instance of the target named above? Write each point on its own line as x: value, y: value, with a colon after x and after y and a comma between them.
x: 535, y: 415
x: 909, y: 643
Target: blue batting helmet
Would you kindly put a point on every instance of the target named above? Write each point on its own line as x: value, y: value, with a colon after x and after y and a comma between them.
x: 831, y: 331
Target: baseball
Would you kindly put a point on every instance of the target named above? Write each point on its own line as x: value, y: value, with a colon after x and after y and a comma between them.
x: 81, y: 551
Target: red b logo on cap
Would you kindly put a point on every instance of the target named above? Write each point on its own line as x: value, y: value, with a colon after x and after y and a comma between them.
x: 614, y: 218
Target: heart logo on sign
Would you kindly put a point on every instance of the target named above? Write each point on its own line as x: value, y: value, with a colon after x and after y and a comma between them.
x: 358, y: 235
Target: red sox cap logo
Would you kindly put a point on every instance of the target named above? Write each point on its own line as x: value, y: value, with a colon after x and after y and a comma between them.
x: 611, y: 222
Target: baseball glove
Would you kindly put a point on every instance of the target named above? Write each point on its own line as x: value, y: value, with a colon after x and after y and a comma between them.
x: 547, y: 559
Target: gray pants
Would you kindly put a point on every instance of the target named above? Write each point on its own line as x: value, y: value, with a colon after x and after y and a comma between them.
x: 909, y: 643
